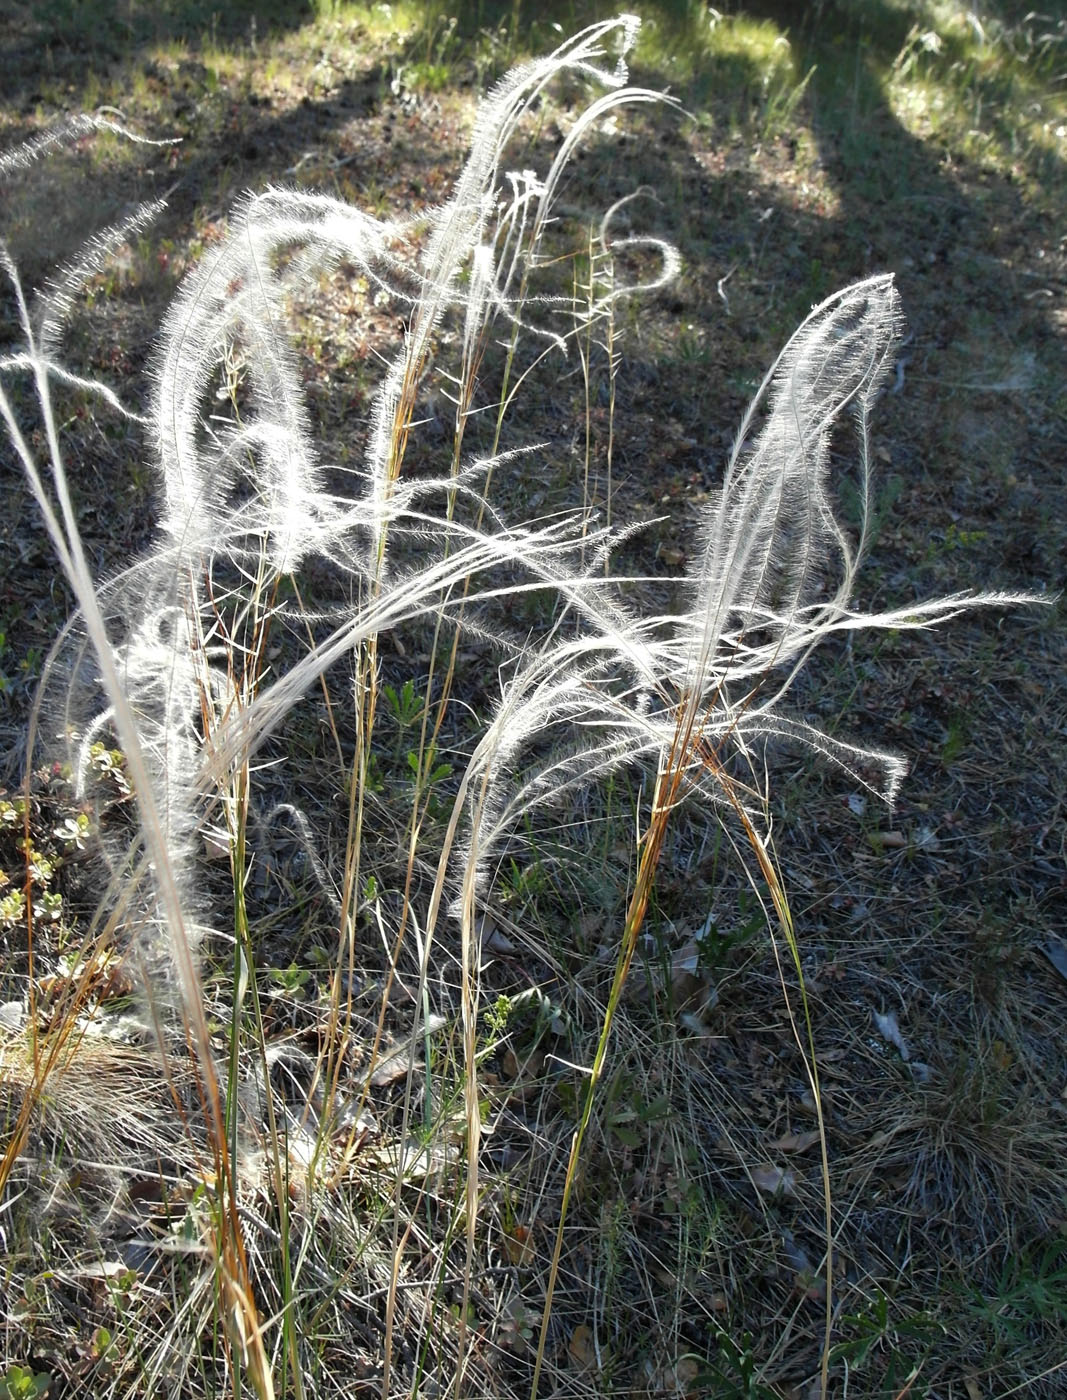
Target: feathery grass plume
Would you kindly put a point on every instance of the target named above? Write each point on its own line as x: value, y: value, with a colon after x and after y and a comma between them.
x: 135, y: 678
x: 712, y: 677
x: 64, y: 134
x: 176, y: 649
x: 676, y: 688
x: 258, y: 479
x: 686, y: 692
x: 175, y: 645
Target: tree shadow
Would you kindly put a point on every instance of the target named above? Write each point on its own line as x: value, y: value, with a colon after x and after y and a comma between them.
x: 898, y: 204
x: 944, y: 225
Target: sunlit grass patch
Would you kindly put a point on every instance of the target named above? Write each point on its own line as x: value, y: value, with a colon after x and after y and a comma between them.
x: 987, y: 89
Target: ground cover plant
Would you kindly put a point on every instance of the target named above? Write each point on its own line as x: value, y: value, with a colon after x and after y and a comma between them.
x: 453, y: 939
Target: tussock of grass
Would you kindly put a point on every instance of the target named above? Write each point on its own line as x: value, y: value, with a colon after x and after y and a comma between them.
x: 404, y: 1099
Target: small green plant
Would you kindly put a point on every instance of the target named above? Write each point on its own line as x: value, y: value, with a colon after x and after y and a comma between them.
x: 1030, y: 1292
x: 716, y: 945
x: 73, y: 832
x: 291, y: 980
x: 630, y: 1115
x: 872, y: 515
x: 406, y: 705
x: 734, y: 1374
x: 12, y: 908
x: 26, y: 671
x: 425, y: 771
x: 782, y: 95
x: 887, y: 1351
x: 23, y: 1383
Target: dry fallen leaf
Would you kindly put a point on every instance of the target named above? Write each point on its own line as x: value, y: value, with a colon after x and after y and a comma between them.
x: 396, y: 1061
x: 679, y: 1379
x: 12, y: 1015
x: 492, y: 940
x: 888, y: 840
x: 580, y: 1348
x: 887, y: 1025
x: 414, y: 1159
x: 519, y: 1246
x: 1056, y: 952
x: 105, y: 1268
x: 796, y: 1142
x: 774, y: 1181
x: 216, y: 845
x: 670, y: 555
x: 690, y: 984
